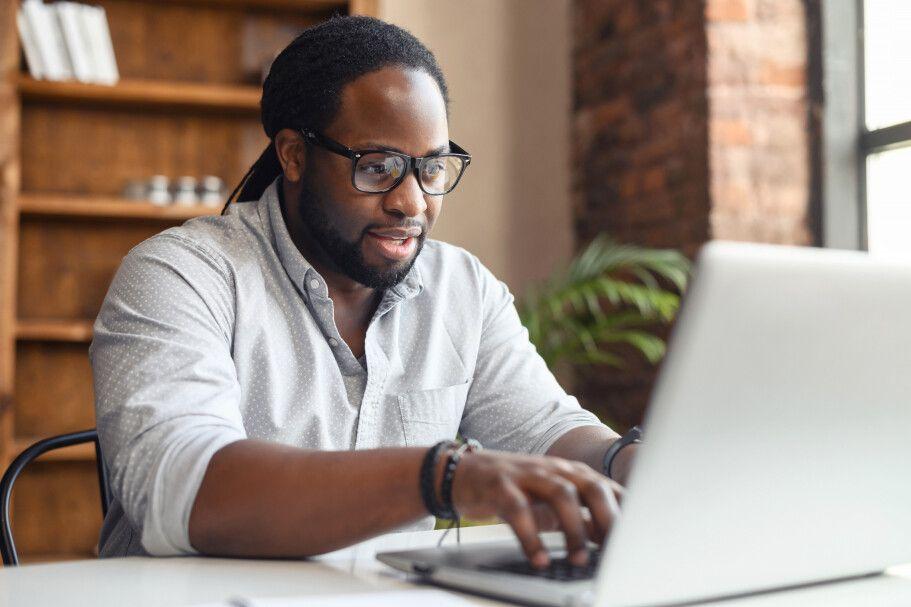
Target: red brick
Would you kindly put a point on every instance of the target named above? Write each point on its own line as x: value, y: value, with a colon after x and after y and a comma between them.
x: 727, y: 10
x: 776, y: 74
x: 730, y: 132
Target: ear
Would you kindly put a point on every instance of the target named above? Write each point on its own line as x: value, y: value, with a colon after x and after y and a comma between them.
x: 292, y: 153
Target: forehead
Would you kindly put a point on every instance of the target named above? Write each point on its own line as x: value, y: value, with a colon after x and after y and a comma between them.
x: 394, y: 106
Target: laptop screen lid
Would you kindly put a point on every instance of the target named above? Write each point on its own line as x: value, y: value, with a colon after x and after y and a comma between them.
x: 778, y: 438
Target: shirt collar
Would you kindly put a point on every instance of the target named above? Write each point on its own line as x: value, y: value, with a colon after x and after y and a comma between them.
x: 301, y: 272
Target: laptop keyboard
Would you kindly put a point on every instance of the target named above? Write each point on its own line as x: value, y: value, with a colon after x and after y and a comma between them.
x: 560, y: 569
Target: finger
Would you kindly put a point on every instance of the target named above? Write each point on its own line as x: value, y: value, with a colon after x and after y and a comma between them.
x: 598, y: 495
x: 619, y: 491
x: 545, y: 518
x: 590, y: 526
x: 514, y: 508
x: 562, y: 497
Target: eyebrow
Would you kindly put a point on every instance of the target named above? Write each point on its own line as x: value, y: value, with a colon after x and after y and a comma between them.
x: 371, y: 145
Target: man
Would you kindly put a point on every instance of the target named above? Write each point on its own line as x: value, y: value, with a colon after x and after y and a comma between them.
x: 268, y: 382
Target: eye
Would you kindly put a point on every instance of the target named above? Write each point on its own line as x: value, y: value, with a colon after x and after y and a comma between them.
x: 375, y: 168
x: 433, y: 168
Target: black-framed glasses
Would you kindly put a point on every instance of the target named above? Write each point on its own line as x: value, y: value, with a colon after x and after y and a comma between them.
x: 381, y: 171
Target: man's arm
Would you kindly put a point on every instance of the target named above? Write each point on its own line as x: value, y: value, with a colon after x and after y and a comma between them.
x: 264, y: 499
x: 588, y: 444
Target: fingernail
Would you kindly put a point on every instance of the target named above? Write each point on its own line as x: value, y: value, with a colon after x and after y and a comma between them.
x: 580, y: 557
x: 540, y: 560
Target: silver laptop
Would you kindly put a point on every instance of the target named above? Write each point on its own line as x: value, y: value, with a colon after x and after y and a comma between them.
x: 777, y: 443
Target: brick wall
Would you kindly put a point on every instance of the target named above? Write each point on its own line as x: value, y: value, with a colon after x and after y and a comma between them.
x: 690, y: 122
x: 759, y: 144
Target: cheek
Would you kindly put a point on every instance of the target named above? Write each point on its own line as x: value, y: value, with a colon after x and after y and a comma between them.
x: 434, y: 207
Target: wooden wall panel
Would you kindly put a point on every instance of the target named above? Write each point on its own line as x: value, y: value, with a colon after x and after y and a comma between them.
x: 199, y: 43
x: 53, y: 389
x: 57, y: 511
x: 96, y: 151
x: 66, y: 266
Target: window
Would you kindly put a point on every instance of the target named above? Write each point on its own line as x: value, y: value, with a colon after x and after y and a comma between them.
x: 885, y: 141
x: 867, y: 125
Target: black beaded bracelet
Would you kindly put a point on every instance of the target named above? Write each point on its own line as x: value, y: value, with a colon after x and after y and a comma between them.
x: 428, y: 471
x: 449, y: 511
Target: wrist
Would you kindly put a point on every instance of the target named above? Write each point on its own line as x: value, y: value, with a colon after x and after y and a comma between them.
x: 623, y: 462
x: 615, y: 465
x: 437, y: 473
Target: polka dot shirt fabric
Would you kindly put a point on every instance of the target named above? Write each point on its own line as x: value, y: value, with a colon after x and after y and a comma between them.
x: 220, y: 330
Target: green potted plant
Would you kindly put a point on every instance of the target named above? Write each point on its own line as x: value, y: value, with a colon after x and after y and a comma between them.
x: 610, y: 295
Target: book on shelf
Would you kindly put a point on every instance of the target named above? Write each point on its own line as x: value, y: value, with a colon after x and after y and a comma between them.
x: 69, y: 18
x: 30, y: 46
x: 67, y: 40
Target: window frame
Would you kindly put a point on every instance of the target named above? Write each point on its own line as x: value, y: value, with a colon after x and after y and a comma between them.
x: 847, y: 142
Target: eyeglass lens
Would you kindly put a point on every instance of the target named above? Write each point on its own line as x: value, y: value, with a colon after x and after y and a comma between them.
x: 378, y: 172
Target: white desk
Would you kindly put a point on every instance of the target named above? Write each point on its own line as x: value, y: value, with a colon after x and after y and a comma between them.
x: 141, y: 582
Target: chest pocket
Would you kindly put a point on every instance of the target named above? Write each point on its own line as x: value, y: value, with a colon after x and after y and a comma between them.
x: 429, y: 416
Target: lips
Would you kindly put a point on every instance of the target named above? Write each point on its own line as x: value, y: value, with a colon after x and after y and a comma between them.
x: 398, y: 247
x: 397, y: 233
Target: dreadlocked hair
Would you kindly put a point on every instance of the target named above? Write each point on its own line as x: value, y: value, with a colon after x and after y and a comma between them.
x: 305, y: 82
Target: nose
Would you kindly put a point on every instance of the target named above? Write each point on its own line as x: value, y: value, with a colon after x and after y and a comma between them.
x: 407, y: 199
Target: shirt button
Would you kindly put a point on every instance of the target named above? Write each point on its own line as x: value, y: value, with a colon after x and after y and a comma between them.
x: 314, y: 284
x: 333, y: 342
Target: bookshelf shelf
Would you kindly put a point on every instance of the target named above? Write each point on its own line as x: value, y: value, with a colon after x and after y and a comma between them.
x: 70, y: 205
x: 77, y: 331
x: 76, y: 453
x: 146, y: 93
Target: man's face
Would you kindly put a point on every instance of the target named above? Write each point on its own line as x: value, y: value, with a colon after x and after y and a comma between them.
x: 374, y: 239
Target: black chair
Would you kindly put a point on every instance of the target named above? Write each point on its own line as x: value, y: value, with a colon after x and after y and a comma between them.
x: 7, y: 545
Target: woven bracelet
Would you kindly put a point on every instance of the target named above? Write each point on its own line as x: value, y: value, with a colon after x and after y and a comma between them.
x: 428, y: 471
x: 449, y: 511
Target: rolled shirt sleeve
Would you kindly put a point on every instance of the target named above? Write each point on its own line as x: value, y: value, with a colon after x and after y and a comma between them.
x: 515, y: 403
x: 166, y: 390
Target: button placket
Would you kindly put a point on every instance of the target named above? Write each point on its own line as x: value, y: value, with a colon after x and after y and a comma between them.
x: 377, y: 371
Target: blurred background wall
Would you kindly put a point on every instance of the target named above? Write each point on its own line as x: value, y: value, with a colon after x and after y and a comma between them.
x: 507, y: 64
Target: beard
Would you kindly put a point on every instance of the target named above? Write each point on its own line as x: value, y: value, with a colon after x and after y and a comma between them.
x: 347, y: 256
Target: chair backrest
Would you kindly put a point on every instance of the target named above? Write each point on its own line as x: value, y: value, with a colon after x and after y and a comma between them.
x: 7, y: 545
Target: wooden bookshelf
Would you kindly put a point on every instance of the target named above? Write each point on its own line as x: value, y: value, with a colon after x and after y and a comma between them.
x: 101, y: 207
x: 145, y: 94
x: 76, y: 453
x: 75, y: 331
x: 187, y: 104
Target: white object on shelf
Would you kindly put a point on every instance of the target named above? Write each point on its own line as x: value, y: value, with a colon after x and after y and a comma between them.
x: 42, y: 22
x: 102, y: 49
x: 76, y: 39
x: 213, y: 191
x: 158, y: 190
x: 185, y: 193
x: 30, y: 46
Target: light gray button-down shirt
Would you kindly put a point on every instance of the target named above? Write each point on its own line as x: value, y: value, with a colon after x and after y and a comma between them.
x: 219, y: 330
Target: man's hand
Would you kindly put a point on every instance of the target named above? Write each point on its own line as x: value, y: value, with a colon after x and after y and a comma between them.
x: 532, y: 492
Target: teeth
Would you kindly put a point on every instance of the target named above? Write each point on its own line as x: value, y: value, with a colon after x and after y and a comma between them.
x: 398, y: 241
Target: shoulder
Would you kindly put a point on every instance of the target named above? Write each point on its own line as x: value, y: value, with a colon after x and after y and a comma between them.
x: 222, y: 243
x: 441, y: 262
x: 451, y: 272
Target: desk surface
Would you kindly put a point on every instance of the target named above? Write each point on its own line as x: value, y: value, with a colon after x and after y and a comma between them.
x: 142, y: 582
